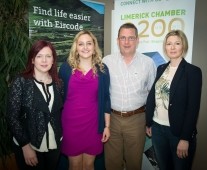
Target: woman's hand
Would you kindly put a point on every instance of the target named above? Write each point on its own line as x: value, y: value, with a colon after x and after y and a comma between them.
x: 30, y: 155
x: 182, y: 148
x: 106, y: 134
x: 149, y: 131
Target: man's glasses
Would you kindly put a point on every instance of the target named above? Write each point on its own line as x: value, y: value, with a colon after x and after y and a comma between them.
x: 131, y: 38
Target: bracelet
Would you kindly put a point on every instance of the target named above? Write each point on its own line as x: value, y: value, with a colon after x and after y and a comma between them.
x: 106, y: 126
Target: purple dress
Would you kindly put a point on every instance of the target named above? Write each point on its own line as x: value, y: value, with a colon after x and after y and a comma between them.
x: 80, y: 116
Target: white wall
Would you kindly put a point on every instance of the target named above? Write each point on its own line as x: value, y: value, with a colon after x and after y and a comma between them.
x: 109, y: 6
x: 200, y: 59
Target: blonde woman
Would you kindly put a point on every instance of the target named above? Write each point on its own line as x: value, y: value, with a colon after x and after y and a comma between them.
x: 86, y: 113
x: 173, y: 106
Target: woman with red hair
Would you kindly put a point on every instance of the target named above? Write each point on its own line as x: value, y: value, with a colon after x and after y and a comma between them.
x: 34, y: 110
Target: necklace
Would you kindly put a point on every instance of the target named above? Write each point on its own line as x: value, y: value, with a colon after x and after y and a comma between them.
x: 46, y: 80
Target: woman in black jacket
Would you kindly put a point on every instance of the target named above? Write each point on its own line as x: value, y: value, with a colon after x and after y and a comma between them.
x: 34, y: 110
x: 173, y: 105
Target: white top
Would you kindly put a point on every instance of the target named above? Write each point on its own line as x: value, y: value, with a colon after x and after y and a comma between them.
x: 162, y: 93
x: 130, y: 83
x: 51, y: 135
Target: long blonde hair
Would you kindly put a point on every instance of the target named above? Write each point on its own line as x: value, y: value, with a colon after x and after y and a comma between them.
x: 74, y: 60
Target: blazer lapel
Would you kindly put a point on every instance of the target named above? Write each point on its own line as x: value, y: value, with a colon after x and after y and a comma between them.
x: 39, y: 100
x: 176, y: 78
x: 58, y: 100
x: 161, y: 70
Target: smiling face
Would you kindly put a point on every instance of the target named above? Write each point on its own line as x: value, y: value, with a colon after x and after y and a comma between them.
x: 127, y: 41
x: 85, y: 46
x: 174, y: 47
x: 43, y: 60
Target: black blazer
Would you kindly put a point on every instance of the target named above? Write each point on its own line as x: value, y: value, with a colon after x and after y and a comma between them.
x: 184, y: 102
x: 28, y: 114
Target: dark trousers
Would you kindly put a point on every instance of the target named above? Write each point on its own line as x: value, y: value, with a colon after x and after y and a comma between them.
x: 165, y: 145
x: 46, y: 160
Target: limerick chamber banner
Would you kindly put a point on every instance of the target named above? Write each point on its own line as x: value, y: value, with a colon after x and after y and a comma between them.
x: 58, y: 21
x: 154, y: 19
